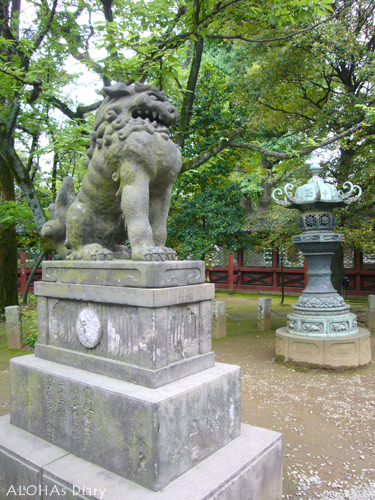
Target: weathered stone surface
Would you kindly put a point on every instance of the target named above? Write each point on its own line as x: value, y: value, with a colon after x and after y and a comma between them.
x: 371, y: 312
x: 150, y: 436
x: 170, y: 433
x: 147, y: 297
x: 122, y: 273
x: 219, y: 320
x: 22, y: 458
x: 124, y: 371
x: 325, y: 352
x: 264, y: 314
x: 13, y: 327
x: 253, y: 471
x: 93, y: 327
x: 131, y: 168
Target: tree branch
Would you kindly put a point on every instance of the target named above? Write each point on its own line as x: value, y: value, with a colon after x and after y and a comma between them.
x: 213, y: 150
x: 293, y: 113
x: 47, y: 27
x: 285, y: 156
x: 73, y: 115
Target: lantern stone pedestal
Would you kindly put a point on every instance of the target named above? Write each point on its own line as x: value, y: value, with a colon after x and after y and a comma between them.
x: 348, y: 351
x: 123, y: 394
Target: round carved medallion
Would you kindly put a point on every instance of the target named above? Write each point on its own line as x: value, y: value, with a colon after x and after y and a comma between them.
x: 88, y: 327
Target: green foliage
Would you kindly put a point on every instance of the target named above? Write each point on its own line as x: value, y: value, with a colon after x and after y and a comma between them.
x: 206, y: 213
x: 145, y: 40
x: 29, y: 321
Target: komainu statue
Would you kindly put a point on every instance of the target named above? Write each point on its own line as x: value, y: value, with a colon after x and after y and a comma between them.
x: 127, y: 188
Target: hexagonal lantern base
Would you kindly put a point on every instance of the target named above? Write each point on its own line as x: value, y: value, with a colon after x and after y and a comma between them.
x: 348, y: 351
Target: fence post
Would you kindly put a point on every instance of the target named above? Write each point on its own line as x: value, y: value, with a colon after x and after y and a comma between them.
x: 219, y: 320
x: 264, y: 314
x: 230, y: 271
x: 371, y: 312
x: 13, y: 327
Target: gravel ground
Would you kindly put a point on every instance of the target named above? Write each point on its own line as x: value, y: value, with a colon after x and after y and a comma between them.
x: 327, y: 418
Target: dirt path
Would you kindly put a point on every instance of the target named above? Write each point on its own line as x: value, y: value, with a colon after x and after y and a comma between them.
x: 327, y: 418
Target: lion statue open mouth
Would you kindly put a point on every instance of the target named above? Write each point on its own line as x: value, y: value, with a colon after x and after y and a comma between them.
x: 127, y: 189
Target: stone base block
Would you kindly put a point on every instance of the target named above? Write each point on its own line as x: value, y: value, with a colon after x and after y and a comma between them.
x: 125, y: 273
x: 149, y: 436
x: 139, y: 335
x: 329, y: 352
x: 249, y: 468
x: 124, y: 371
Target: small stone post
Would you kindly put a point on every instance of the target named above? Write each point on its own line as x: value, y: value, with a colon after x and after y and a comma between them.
x: 371, y: 312
x: 264, y: 314
x: 219, y: 320
x: 13, y: 327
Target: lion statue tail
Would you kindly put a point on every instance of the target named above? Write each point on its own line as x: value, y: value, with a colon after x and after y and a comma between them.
x: 55, y: 228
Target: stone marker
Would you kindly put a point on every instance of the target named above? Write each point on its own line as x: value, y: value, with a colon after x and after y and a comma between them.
x: 371, y: 312
x: 219, y: 320
x: 264, y: 314
x: 13, y: 327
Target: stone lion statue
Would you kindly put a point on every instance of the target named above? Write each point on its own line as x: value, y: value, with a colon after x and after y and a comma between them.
x: 127, y: 188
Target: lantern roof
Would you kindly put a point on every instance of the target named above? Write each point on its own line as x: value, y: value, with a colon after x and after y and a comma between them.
x: 317, y: 192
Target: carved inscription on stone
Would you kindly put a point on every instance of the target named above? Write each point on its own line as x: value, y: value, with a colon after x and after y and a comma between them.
x: 75, y: 409
x: 62, y: 409
x: 51, y: 410
x: 88, y: 412
x: 88, y: 327
x: 69, y: 410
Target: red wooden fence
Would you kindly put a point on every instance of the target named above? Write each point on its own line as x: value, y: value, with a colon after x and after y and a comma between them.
x: 361, y: 281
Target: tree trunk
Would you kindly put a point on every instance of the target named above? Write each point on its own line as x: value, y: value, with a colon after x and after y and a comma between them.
x: 187, y: 104
x: 21, y: 176
x: 8, y: 245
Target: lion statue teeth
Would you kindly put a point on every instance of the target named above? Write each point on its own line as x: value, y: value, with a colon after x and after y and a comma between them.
x: 132, y: 164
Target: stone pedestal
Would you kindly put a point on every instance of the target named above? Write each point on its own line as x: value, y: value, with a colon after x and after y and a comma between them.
x: 13, y: 327
x: 322, y: 331
x: 348, y: 351
x: 248, y: 468
x: 123, y: 383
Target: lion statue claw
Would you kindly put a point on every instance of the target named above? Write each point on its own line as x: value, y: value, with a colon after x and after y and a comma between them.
x: 127, y: 189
